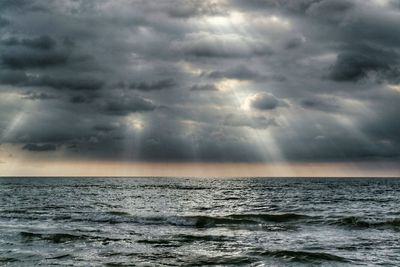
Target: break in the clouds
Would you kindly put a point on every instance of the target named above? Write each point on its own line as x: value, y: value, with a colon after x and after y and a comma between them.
x: 212, y: 80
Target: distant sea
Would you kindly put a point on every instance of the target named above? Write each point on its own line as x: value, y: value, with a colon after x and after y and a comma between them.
x: 199, y: 222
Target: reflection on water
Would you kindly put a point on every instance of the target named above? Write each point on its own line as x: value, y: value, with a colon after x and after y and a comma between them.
x: 197, y: 222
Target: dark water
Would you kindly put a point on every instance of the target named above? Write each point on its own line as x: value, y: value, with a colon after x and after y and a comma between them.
x: 199, y: 222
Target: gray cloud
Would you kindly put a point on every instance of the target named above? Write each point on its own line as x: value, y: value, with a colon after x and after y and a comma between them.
x: 242, y: 72
x: 43, y: 42
x: 75, y: 83
x: 290, y: 5
x: 3, y: 22
x: 359, y: 63
x: 69, y: 83
x: 294, y: 42
x: 125, y: 105
x: 155, y: 85
x: 37, y: 96
x: 39, y: 148
x: 203, y: 87
x: 81, y: 99
x: 330, y: 9
x: 255, y: 122
x: 322, y: 103
x: 220, y: 45
x: 189, y: 9
x: 266, y: 101
x: 24, y: 60
x: 13, y: 77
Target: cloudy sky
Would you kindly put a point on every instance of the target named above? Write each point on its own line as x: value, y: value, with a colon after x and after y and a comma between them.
x: 291, y: 85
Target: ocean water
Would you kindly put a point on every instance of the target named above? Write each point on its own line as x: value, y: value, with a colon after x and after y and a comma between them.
x: 199, y: 222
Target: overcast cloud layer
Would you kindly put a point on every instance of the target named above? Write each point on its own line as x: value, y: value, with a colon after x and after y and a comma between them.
x: 210, y: 80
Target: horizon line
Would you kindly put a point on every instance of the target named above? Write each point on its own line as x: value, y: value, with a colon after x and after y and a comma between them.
x: 183, y: 177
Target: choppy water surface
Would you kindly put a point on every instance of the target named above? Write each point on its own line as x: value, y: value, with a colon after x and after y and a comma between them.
x: 197, y: 222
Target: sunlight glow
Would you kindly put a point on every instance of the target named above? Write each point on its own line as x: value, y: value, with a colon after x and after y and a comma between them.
x: 135, y: 122
x: 229, y: 84
x: 200, y: 170
x: 394, y: 87
x: 190, y: 68
x: 234, y: 18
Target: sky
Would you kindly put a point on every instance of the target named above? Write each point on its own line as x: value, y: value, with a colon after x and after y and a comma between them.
x: 193, y: 88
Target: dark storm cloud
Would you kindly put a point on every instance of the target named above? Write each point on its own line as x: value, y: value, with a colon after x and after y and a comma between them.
x: 205, y: 80
x: 294, y: 42
x: 296, y: 8
x: 68, y: 83
x: 76, y: 82
x: 26, y: 60
x: 39, y: 147
x: 18, y: 4
x: 3, y: 22
x: 38, y: 96
x: 125, y: 106
x: 154, y: 85
x: 220, y: 46
x: 330, y: 9
x: 203, y: 87
x: 43, y: 42
x: 80, y: 99
x: 266, y: 101
x: 104, y: 128
x: 367, y: 39
x: 361, y: 61
x: 327, y: 104
x: 13, y: 77
x: 294, y: 5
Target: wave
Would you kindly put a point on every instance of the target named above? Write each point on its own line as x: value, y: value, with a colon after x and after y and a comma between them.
x: 303, y: 256
x: 118, y: 264
x: 118, y: 213
x: 182, y: 239
x: 54, y: 238
x: 283, y: 217
x: 173, y: 187
x: 357, y: 222
x: 193, y: 238
x: 61, y: 256
x: 243, y: 219
x: 221, y: 260
x: 159, y: 242
x: 197, y: 221
x: 204, y: 221
x: 6, y: 260
x: 14, y: 211
x: 65, y: 237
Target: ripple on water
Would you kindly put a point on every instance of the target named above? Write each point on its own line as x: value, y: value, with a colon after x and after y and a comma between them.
x: 303, y: 256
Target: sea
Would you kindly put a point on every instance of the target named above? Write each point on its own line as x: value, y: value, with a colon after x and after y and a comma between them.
x: 199, y: 221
